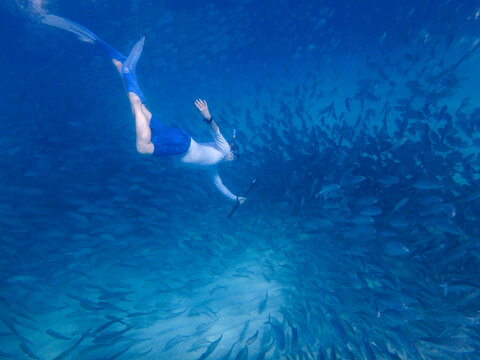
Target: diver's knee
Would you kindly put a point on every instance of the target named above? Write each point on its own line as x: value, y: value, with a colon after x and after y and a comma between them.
x: 144, y: 147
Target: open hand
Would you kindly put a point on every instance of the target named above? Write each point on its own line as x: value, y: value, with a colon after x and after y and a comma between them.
x: 203, y: 108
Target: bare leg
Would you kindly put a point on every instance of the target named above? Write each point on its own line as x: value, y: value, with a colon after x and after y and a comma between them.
x: 142, y: 119
x: 142, y: 125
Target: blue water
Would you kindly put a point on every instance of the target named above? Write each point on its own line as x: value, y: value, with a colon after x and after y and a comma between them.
x: 359, y: 121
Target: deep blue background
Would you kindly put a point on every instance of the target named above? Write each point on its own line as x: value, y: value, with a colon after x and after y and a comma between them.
x: 339, y: 106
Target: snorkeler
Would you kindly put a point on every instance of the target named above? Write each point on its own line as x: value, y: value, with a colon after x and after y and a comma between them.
x: 152, y: 136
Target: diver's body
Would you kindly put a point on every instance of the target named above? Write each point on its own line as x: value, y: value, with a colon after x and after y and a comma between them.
x: 152, y: 136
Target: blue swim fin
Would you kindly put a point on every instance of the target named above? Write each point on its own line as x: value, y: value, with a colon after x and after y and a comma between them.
x: 83, y: 34
x: 128, y: 69
x: 132, y: 59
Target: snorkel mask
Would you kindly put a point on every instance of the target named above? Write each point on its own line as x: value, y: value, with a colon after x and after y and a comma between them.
x: 234, y: 146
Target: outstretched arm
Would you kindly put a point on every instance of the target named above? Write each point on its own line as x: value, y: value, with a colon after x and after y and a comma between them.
x: 203, y: 108
x: 220, y: 141
x: 223, y: 189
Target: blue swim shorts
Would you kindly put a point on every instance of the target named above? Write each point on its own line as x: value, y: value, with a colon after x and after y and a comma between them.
x: 168, y: 140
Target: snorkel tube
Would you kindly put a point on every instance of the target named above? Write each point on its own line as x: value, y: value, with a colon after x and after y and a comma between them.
x: 234, y: 146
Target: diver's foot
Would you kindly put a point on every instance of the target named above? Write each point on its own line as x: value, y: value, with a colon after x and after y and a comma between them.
x: 118, y: 65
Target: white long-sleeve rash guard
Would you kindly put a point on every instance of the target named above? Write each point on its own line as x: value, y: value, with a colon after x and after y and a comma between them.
x: 207, y: 156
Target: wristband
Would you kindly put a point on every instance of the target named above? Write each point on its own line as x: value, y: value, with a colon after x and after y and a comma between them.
x: 208, y: 121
